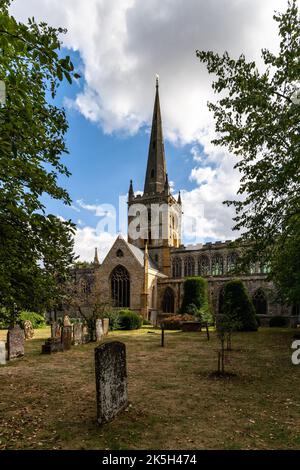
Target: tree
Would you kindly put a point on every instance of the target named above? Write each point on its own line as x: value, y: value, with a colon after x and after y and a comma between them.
x: 257, y: 119
x: 238, y: 309
x: 196, y: 297
x: 36, y: 248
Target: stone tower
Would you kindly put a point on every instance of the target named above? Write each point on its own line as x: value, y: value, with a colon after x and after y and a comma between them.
x: 155, y: 217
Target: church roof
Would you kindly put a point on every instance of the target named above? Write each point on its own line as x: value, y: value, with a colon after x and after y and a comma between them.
x: 156, y: 168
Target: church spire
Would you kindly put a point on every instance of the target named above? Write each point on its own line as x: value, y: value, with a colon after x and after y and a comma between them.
x: 156, y: 167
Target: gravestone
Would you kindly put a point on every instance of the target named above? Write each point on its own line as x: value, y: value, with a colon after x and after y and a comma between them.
x: 66, y: 321
x: 99, y: 330
x: 105, y: 326
x: 85, y: 334
x: 28, y: 329
x: 77, y: 333
x: 2, y: 353
x: 52, y: 345
x: 111, y: 380
x: 15, y: 342
x: 66, y: 337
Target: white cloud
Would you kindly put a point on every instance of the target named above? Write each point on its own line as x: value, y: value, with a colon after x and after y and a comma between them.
x: 87, y: 239
x: 124, y: 43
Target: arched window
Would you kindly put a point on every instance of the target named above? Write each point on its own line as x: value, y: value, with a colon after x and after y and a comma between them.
x: 120, y: 253
x: 168, y: 301
x: 264, y: 267
x: 120, y: 287
x: 189, y: 266
x: 203, y: 266
x: 217, y: 265
x: 176, y: 267
x: 221, y: 300
x: 231, y: 261
x: 260, y: 302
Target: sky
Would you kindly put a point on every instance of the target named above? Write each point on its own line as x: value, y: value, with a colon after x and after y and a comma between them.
x: 118, y: 47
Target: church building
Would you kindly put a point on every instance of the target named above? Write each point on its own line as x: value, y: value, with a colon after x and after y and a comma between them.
x: 146, y: 272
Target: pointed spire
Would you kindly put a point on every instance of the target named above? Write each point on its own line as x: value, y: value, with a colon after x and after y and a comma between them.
x: 96, y: 259
x: 156, y: 167
x: 130, y: 192
x: 179, y: 198
x: 167, y: 186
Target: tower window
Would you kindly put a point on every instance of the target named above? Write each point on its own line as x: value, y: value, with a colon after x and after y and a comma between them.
x: 152, y: 173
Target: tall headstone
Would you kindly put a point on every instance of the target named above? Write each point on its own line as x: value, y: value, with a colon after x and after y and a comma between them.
x: 105, y: 324
x: 2, y: 353
x: 85, y: 334
x: 66, y: 337
x: 15, y: 342
x: 77, y: 333
x: 99, y: 329
x: 28, y: 329
x: 111, y: 380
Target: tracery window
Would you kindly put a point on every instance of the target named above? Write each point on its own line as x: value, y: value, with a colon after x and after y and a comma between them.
x: 203, y: 266
x: 189, y: 266
x: 168, y: 301
x: 120, y: 287
x: 217, y: 265
x: 176, y: 267
x: 260, y: 302
x: 231, y: 261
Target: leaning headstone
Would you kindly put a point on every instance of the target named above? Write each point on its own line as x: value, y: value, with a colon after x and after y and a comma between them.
x: 77, y: 334
x: 66, y: 321
x: 66, y: 337
x: 85, y: 334
x: 2, y: 353
x: 52, y: 345
x: 105, y: 325
x: 111, y: 380
x: 99, y: 330
x: 15, y: 342
x: 28, y: 329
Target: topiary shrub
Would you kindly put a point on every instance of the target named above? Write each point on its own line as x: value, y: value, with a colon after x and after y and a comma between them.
x: 129, y: 320
x: 277, y: 321
x: 195, y: 298
x: 238, y: 309
x: 37, y: 320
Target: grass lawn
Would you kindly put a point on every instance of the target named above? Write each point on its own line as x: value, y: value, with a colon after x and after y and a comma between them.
x: 48, y: 402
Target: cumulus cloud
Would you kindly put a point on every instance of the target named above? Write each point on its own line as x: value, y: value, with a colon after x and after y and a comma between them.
x: 124, y: 43
x: 87, y: 239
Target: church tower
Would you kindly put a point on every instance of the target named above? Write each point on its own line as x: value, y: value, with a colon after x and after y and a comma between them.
x: 154, y: 218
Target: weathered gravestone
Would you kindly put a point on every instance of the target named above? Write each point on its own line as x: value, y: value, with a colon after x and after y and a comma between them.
x: 99, y: 330
x: 85, y: 334
x: 55, y: 330
x: 28, y: 329
x: 52, y: 345
x: 77, y: 333
x: 15, y: 342
x: 2, y: 353
x: 111, y: 380
x: 66, y: 337
x: 105, y: 325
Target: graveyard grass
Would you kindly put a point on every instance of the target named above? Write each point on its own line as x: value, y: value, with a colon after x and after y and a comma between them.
x: 48, y: 402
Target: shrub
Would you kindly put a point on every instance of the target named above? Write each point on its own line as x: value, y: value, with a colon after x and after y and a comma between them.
x: 257, y: 318
x: 195, y: 298
x: 114, y: 319
x: 37, y: 320
x: 174, y: 321
x: 238, y: 309
x: 277, y: 321
x: 146, y: 322
x: 129, y: 320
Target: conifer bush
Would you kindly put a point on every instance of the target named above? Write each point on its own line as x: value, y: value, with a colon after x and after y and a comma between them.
x: 195, y: 298
x: 238, y: 308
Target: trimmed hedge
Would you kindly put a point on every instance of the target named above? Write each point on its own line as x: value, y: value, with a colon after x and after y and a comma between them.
x: 277, y: 321
x: 195, y: 298
x: 174, y: 322
x: 129, y: 320
x: 238, y: 308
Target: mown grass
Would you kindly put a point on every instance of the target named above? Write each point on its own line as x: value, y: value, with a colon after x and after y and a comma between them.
x: 48, y: 402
